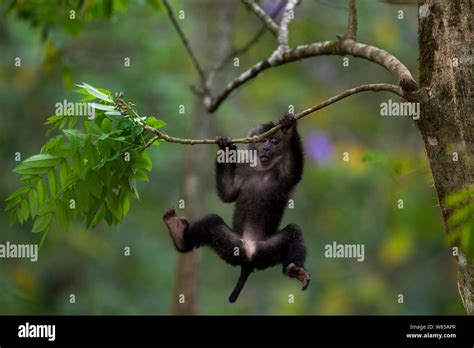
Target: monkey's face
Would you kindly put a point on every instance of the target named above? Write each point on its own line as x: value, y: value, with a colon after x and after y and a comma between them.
x: 269, y: 152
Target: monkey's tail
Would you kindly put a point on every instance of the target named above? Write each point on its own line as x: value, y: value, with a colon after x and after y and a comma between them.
x: 244, y: 274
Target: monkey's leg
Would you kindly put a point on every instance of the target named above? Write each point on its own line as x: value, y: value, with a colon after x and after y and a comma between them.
x: 286, y: 247
x: 211, y: 230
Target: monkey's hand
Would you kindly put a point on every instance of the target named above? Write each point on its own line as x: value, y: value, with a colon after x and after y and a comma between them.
x: 224, y: 142
x: 288, y: 123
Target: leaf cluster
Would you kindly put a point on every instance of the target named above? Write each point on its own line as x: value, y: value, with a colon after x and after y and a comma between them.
x: 89, y: 168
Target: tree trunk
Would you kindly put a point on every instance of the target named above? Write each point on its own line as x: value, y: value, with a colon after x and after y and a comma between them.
x: 195, y: 190
x: 447, y: 123
x: 215, y: 21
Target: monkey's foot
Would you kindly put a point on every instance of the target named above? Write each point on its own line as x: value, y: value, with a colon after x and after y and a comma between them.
x: 299, y: 273
x: 177, y: 227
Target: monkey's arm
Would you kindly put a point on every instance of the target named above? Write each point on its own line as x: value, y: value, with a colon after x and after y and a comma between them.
x: 294, y: 159
x: 226, y: 177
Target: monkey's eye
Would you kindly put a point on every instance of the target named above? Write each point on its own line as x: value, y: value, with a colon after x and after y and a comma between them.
x: 274, y: 141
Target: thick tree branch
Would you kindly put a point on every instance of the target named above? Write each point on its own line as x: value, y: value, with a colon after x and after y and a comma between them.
x: 269, y: 23
x: 285, y: 21
x: 340, y: 47
x: 363, y: 88
x: 182, y: 36
x: 343, y: 46
x: 352, y: 25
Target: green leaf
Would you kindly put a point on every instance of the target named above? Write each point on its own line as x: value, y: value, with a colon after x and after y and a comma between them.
x: 144, y: 162
x: 92, y: 127
x: 13, y: 217
x: 104, y: 136
x: 74, y: 133
x: 94, y: 185
x: 140, y: 175
x: 106, y: 125
x: 19, y: 216
x: 61, y: 214
x: 155, y: 123
x: 17, y: 193
x: 125, y: 203
x: 26, y: 169
x: 72, y: 122
x: 82, y: 195
x: 77, y: 163
x: 98, y: 216
x: 24, y: 209
x: 62, y: 123
x: 114, y: 205
x: 46, y: 207
x: 96, y: 93
x: 40, y: 191
x: 41, y: 223
x: 53, y: 145
x: 113, y: 113
x: 54, y: 119
x: 102, y: 107
x: 52, y: 182
x: 63, y: 172
x: 29, y: 180
x: 42, y: 160
x: 13, y: 203
x: 33, y: 202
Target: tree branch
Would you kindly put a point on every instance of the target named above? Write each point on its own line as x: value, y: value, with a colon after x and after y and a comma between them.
x: 285, y: 21
x: 352, y: 25
x: 197, y: 66
x: 254, y: 40
x: 363, y: 88
x: 269, y: 23
x: 341, y: 47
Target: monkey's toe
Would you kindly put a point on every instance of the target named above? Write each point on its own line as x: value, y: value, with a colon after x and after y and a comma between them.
x: 299, y: 273
x: 169, y: 213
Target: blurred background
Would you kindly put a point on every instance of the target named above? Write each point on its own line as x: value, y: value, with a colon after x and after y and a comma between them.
x: 347, y: 202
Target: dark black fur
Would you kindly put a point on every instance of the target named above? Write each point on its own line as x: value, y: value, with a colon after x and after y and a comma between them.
x: 261, y: 194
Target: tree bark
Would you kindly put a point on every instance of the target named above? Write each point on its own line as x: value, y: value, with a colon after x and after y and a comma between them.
x: 195, y: 189
x: 446, y: 122
x: 214, y: 45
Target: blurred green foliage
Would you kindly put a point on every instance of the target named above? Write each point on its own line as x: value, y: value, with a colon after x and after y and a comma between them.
x: 355, y: 201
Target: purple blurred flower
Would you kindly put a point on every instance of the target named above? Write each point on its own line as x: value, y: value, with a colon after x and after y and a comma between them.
x: 270, y: 6
x: 320, y: 147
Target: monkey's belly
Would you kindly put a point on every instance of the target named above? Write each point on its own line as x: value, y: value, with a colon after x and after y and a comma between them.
x: 250, y: 239
x: 250, y: 246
